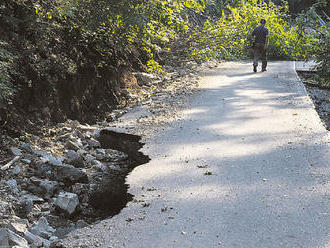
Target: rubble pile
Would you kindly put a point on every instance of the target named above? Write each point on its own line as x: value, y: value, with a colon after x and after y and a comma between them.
x: 44, y: 194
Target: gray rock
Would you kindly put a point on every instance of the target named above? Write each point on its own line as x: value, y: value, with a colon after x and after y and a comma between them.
x: 93, y: 186
x: 53, y: 160
x: 41, y: 153
x: 48, y: 188
x: 100, y: 156
x: 42, y: 228
x: 24, y: 207
x: 81, y: 224
x: 16, y: 151
x: 35, y: 240
x: 15, y: 239
x: 34, y: 189
x: 82, y: 152
x: 72, y: 146
x: 26, y: 147
x: 4, y: 239
x: 182, y: 72
x: 97, y: 165
x: 53, y: 238
x: 89, y: 158
x: 5, y: 208
x: 12, y: 184
x: 101, y: 151
x: 67, y: 202
x: 93, y: 143
x: 26, y: 161
x: 46, y: 243
x: 74, y: 158
x: 16, y: 170
x: 43, y: 169
x: 79, y: 134
x: 96, y: 133
x: 70, y: 175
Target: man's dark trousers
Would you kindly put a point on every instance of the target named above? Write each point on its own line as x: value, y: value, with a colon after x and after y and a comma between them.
x: 259, y: 51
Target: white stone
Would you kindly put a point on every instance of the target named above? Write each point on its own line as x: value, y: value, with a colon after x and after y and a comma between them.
x: 42, y: 228
x: 67, y: 202
x: 32, y: 198
x: 16, y: 151
x: 53, y: 238
x: 101, y: 151
x: 19, y: 228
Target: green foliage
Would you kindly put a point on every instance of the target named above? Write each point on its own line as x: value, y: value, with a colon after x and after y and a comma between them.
x: 52, y: 42
x: 317, y: 31
x: 230, y: 36
x: 322, y: 51
x: 7, y: 71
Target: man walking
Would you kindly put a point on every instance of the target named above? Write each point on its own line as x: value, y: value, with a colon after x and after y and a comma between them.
x: 261, y: 39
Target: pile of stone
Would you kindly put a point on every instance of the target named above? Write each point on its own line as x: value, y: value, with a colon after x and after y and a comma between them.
x: 45, y: 193
x: 21, y: 233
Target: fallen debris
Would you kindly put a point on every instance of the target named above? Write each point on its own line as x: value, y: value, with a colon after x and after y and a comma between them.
x: 7, y: 166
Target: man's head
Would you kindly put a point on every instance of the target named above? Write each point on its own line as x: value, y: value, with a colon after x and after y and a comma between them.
x: 262, y: 21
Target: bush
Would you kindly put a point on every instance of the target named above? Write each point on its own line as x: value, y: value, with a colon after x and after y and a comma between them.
x: 317, y: 31
x: 74, y: 46
x: 230, y: 36
x: 7, y: 71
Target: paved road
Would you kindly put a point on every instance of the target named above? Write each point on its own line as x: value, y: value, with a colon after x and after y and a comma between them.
x: 269, y: 159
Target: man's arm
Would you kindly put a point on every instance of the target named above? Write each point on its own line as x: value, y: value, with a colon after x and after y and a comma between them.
x: 267, y: 41
x: 253, y: 34
x: 253, y: 37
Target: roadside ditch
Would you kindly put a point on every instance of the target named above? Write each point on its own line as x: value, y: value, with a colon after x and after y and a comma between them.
x: 45, y: 196
x: 320, y: 94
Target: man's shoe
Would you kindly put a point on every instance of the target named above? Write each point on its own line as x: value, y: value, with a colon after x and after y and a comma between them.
x: 263, y: 69
x: 254, y: 68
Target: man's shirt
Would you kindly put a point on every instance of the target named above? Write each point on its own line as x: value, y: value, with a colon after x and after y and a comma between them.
x: 260, y: 33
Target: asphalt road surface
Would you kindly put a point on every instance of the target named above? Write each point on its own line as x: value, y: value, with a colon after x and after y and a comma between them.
x: 247, y: 165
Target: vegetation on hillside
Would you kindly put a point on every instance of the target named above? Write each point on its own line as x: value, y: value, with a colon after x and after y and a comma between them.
x: 71, y: 55
x: 318, y: 32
